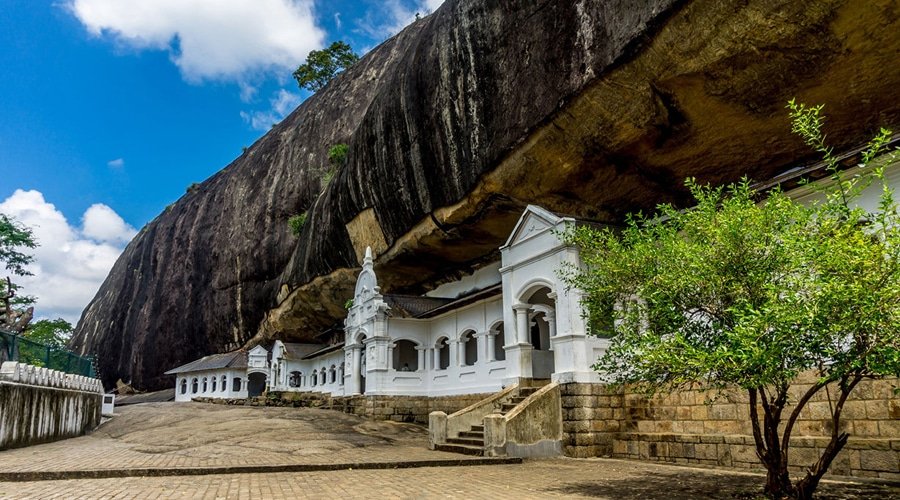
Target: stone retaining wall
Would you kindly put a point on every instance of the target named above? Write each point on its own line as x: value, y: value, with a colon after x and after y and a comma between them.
x: 691, y: 427
x: 412, y: 409
x: 39, y: 405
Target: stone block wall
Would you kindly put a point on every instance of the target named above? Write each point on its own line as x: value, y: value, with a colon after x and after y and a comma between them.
x: 696, y: 427
x: 39, y: 405
x: 411, y: 409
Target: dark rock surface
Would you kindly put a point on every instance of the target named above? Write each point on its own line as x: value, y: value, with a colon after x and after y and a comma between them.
x: 591, y: 108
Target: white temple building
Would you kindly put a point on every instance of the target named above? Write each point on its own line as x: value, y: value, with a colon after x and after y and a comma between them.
x: 511, y: 320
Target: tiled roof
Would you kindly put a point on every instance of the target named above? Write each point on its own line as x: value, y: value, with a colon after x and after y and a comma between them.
x: 295, y: 350
x: 324, y: 350
x: 411, y: 306
x: 464, y: 300
x: 236, y: 359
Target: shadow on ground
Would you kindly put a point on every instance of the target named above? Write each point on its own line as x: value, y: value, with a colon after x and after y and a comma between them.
x: 691, y: 484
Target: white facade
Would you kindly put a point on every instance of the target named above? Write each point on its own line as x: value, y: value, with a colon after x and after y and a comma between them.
x: 218, y: 383
x: 514, y: 319
x: 509, y: 320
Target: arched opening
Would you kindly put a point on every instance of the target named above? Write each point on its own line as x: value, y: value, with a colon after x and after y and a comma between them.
x: 323, y: 376
x: 224, y: 383
x: 443, y: 348
x: 541, y: 318
x: 213, y: 388
x: 470, y: 347
x: 332, y: 375
x: 341, y: 374
x: 236, y: 384
x: 499, y: 342
x: 314, y: 378
x: 195, y: 385
x: 294, y: 381
x: 256, y: 384
x: 406, y: 359
x: 184, y: 386
x: 205, y: 386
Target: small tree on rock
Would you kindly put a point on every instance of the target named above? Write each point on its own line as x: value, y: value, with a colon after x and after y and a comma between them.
x: 15, y: 310
x: 748, y: 293
x: 322, y: 65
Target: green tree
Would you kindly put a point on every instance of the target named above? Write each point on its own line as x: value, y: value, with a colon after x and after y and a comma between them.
x: 15, y: 313
x: 52, y: 332
x: 337, y: 154
x: 739, y: 292
x: 322, y: 65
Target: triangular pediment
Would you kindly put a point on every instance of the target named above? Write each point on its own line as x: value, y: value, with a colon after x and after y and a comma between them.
x: 535, y: 220
x: 258, y: 351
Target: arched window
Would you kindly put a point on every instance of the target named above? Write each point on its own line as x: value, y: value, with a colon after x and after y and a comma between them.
x: 341, y: 374
x: 406, y: 359
x: 332, y: 375
x: 323, y: 374
x: 184, y: 386
x: 295, y: 379
x: 213, y: 389
x: 499, y: 342
x: 314, y: 378
x: 224, y: 383
x: 470, y: 343
x: 443, y: 353
x: 194, y: 386
x: 236, y: 384
x: 205, y: 385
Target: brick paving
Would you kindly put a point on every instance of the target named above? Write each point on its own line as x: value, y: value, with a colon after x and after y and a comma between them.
x: 558, y: 478
x: 196, y: 435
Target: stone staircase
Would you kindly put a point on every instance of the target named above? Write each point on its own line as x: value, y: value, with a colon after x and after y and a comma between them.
x: 471, y: 442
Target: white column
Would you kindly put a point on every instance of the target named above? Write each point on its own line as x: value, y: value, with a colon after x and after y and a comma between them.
x: 421, y: 363
x: 454, y: 353
x: 437, y: 358
x: 491, y: 338
x: 551, y: 323
x: 390, y: 356
x: 522, y: 323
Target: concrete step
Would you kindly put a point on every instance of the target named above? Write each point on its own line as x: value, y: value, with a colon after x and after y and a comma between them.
x: 460, y: 448
x: 507, y: 407
x: 472, y: 434
x: 477, y: 428
x: 466, y: 441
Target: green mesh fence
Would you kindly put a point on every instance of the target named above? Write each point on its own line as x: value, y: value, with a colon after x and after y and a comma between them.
x: 17, y: 348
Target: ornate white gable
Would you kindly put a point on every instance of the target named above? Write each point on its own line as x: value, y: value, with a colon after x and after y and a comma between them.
x: 535, y: 220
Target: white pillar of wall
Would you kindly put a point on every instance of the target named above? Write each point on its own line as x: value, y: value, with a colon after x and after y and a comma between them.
x: 522, y: 323
x: 353, y: 383
x: 420, y: 365
x: 454, y: 353
x: 491, y: 341
x: 436, y: 359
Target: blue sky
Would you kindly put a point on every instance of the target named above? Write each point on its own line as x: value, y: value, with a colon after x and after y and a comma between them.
x: 111, y: 108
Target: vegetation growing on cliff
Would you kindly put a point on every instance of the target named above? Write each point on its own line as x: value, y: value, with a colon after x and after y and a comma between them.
x: 741, y: 293
x: 296, y: 222
x: 322, y: 65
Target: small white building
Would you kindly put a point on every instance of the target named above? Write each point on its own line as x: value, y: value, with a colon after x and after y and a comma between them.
x: 510, y: 320
x: 214, y: 376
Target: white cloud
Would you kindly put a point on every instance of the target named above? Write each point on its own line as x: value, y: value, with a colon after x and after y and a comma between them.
x: 102, y: 223
x: 280, y: 105
x: 117, y: 163
x: 210, y: 39
x: 70, y: 263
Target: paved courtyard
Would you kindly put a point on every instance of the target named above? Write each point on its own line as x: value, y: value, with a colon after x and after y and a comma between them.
x: 169, y: 435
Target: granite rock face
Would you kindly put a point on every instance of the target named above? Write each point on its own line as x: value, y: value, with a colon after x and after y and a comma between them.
x: 586, y: 107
